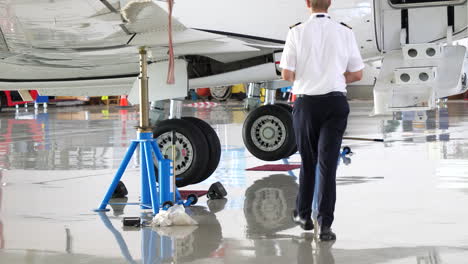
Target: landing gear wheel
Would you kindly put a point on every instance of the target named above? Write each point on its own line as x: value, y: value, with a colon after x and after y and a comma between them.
x: 221, y: 93
x: 214, y: 146
x: 193, y: 197
x: 290, y: 109
x: 268, y: 133
x: 191, y: 149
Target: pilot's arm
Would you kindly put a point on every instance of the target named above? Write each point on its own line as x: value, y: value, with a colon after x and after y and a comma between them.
x: 288, y: 59
x: 355, y: 64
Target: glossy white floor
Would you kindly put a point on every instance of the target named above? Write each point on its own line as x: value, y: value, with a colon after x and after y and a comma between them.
x: 403, y: 201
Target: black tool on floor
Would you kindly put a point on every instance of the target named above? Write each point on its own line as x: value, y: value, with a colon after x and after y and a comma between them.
x: 365, y: 139
x: 131, y: 221
x: 121, y: 191
x: 216, y: 191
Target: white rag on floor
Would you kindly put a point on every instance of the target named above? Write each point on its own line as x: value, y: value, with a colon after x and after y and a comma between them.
x: 175, y: 216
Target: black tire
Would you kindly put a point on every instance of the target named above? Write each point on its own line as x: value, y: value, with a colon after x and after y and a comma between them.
x: 214, y: 146
x: 294, y: 149
x: 193, y: 148
x: 286, y: 106
x: 277, y: 122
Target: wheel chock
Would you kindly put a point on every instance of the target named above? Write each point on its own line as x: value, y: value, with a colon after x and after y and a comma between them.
x: 216, y: 191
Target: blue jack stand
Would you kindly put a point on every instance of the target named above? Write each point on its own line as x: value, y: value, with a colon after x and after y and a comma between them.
x: 152, y: 194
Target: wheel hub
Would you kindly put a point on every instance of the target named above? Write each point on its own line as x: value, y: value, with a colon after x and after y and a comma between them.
x: 268, y: 133
x: 183, y: 150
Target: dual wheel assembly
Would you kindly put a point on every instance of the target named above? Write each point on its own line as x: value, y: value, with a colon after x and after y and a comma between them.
x: 197, y: 148
x: 268, y: 132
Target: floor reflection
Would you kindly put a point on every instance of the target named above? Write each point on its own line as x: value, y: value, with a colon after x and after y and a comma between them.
x: 306, y: 249
x: 173, y: 244
x: 269, y: 202
x: 419, y: 126
x: 321, y: 254
x: 448, y: 143
x: 268, y: 205
x: 416, y: 184
x: 267, y: 209
x: 2, y: 238
x: 62, y: 139
x: 350, y: 180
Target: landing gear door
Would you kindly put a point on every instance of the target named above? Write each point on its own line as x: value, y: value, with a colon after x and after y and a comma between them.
x: 422, y: 21
x: 158, y: 88
x: 442, y: 18
x: 424, y: 30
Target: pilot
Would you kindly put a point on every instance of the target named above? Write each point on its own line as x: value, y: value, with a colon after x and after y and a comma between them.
x: 320, y: 57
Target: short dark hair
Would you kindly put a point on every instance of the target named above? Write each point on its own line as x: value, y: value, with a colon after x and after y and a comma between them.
x: 320, y: 4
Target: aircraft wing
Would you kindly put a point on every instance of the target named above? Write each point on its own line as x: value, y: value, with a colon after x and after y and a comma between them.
x: 148, y: 20
x: 67, y: 44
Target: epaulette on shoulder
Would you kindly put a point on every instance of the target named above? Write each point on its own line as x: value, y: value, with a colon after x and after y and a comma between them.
x: 346, y: 25
x: 293, y: 26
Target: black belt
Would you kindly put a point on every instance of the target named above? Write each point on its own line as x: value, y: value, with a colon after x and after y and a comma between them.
x: 321, y: 95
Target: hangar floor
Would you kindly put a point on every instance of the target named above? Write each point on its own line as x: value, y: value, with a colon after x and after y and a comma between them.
x: 403, y: 201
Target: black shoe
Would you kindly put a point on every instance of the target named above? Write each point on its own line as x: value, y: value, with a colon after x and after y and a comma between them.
x: 326, y: 234
x: 305, y: 224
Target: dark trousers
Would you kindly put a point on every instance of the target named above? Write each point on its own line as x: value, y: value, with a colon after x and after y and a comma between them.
x: 319, y: 125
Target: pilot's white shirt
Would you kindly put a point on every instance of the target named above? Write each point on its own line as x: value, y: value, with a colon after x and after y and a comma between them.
x: 320, y: 51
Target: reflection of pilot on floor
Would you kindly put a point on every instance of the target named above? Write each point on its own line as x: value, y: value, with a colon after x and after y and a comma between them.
x: 267, y: 209
x: 323, y: 254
